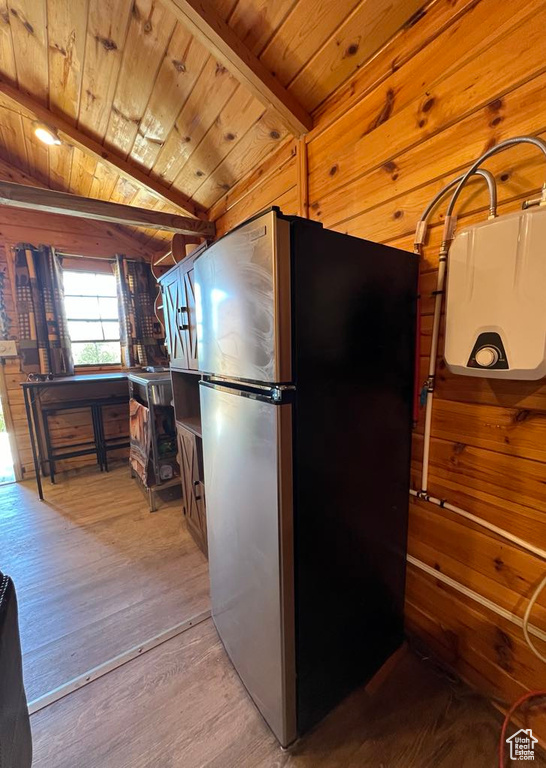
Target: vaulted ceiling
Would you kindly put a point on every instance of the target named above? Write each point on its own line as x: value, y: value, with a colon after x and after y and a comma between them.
x: 129, y: 76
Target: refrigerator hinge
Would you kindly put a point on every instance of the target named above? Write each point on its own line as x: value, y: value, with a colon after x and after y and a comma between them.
x: 277, y: 392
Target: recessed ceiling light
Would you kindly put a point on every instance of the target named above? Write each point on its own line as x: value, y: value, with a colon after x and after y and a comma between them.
x: 46, y: 134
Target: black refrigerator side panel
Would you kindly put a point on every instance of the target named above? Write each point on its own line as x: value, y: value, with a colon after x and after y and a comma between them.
x: 354, y: 339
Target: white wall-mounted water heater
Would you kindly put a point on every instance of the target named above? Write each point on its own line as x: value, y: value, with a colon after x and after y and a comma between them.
x: 496, y: 298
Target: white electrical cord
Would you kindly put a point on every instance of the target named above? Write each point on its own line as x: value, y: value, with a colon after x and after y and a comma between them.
x: 447, y: 237
x: 527, y: 616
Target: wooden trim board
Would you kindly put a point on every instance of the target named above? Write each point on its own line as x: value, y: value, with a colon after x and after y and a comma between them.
x: 213, y: 32
x: 71, y: 135
x: 37, y: 199
x: 302, y: 178
x: 108, y: 666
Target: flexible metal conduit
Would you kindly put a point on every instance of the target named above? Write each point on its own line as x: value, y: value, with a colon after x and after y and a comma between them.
x: 491, y: 186
x: 447, y: 237
x: 420, y: 235
x: 506, y: 144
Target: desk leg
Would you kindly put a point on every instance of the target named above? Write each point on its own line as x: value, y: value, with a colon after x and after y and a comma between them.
x: 49, y: 447
x: 96, y: 435
x: 103, y: 438
x: 36, y: 421
x: 100, y: 440
x: 31, y: 425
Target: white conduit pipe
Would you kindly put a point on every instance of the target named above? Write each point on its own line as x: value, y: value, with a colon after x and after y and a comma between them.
x: 489, y: 604
x: 484, y: 523
x: 432, y: 363
x: 528, y: 629
x: 420, y: 234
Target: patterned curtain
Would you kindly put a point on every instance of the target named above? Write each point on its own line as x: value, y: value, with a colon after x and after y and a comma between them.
x: 142, y: 341
x: 44, y: 341
x: 5, y: 322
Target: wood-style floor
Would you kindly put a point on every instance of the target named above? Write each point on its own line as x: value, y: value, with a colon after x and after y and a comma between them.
x: 95, y: 572
x: 182, y: 706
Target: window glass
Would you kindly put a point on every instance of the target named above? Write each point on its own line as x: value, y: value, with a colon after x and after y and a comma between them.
x: 92, y: 317
x: 106, y: 285
x: 80, y: 283
x: 85, y: 330
x: 108, y: 309
x: 78, y: 307
x: 98, y: 353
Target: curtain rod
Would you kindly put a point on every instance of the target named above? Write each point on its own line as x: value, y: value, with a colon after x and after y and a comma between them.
x: 94, y: 258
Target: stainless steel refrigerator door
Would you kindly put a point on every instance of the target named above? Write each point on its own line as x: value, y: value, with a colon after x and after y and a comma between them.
x: 248, y: 476
x: 242, y: 287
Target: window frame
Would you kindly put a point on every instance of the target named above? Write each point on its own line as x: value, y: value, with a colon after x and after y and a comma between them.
x: 97, y: 296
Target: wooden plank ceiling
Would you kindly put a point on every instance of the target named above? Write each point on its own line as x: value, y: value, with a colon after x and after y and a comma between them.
x: 128, y: 75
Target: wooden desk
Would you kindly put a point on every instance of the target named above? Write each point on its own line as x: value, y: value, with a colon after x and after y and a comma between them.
x: 76, y: 391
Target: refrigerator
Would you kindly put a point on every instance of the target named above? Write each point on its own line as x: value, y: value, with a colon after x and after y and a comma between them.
x: 306, y: 339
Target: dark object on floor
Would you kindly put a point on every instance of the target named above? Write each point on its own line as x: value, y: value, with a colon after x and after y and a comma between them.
x: 15, y: 738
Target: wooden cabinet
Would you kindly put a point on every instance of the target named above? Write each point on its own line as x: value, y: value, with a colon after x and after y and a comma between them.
x: 177, y: 288
x: 190, y: 453
x: 178, y: 292
x: 191, y: 331
x: 174, y: 304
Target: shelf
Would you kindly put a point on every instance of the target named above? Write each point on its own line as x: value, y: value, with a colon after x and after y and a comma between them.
x: 168, y: 456
x: 176, y: 480
x: 184, y: 371
x: 186, y: 401
x: 192, y: 424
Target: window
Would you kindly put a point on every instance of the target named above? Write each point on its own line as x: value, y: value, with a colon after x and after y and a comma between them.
x: 92, y: 313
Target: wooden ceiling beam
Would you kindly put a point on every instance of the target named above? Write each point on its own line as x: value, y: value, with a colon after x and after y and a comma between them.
x: 212, y: 31
x: 72, y: 135
x: 46, y: 200
x: 10, y: 173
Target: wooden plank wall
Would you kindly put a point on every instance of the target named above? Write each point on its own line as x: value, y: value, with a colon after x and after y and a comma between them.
x: 464, y: 75
x: 70, y: 235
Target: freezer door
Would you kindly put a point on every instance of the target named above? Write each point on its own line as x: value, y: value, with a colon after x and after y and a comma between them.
x: 242, y: 286
x: 248, y: 477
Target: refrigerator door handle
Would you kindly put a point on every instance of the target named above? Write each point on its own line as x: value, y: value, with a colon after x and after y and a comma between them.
x: 196, y: 484
x: 184, y: 326
x: 276, y: 394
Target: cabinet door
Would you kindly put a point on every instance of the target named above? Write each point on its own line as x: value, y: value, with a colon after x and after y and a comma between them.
x: 192, y: 327
x: 192, y: 487
x: 175, y: 312
x: 199, y: 494
x: 199, y: 491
